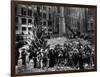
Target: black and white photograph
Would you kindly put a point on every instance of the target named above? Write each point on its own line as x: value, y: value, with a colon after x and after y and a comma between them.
x: 54, y: 38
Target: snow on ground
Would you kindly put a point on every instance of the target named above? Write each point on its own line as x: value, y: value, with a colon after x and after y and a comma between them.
x: 24, y: 69
x: 54, y: 41
x: 61, y: 40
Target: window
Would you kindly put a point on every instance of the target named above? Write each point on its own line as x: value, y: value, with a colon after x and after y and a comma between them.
x: 23, y: 28
x: 30, y: 28
x: 58, y: 9
x: 18, y: 10
x: 29, y: 21
x: 29, y: 12
x: 23, y: 20
x: 23, y: 11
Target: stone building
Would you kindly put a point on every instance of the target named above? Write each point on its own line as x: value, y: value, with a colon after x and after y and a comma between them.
x: 80, y: 21
x: 74, y: 20
x: 24, y: 21
x: 39, y: 16
x: 56, y: 20
x: 91, y: 17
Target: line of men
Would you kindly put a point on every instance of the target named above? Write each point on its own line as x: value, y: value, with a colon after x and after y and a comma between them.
x: 71, y: 55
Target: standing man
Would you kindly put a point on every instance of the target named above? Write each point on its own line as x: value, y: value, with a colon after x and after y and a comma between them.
x: 23, y: 57
x: 80, y: 56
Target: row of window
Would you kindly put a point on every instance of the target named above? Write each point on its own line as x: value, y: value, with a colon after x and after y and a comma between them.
x: 23, y: 11
x: 29, y: 21
x: 24, y: 20
x: 24, y: 28
x: 36, y: 22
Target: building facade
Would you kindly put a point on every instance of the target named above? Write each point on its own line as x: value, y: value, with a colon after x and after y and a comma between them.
x: 29, y: 18
x: 56, y: 20
x: 74, y: 20
x: 24, y: 21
